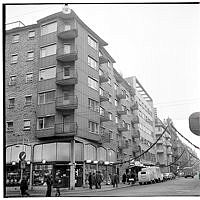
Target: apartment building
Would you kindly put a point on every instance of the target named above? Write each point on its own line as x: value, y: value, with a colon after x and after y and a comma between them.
x: 163, y: 146
x: 143, y: 122
x: 61, y: 109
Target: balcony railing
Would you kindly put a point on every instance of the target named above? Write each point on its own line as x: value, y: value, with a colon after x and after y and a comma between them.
x: 121, y: 111
x: 66, y: 102
x: 136, y: 134
x: 70, y: 79
x: 160, y: 150
x: 134, y: 106
x: 118, y: 77
x: 104, y: 116
x: 120, y: 94
x: 104, y: 95
x: 66, y: 55
x: 67, y: 32
x: 135, y: 120
x: 66, y: 129
x: 122, y: 127
x: 102, y: 59
x: 103, y: 77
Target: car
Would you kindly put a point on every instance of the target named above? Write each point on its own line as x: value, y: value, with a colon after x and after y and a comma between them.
x: 171, y: 176
x: 166, y: 176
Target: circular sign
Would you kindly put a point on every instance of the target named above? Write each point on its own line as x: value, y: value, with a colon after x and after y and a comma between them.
x: 22, y: 155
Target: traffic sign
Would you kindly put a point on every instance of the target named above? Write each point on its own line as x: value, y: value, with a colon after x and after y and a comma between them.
x: 22, y: 155
x: 23, y: 164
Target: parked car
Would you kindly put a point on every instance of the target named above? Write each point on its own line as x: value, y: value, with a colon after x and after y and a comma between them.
x: 145, y: 177
x: 166, y: 176
x: 171, y: 176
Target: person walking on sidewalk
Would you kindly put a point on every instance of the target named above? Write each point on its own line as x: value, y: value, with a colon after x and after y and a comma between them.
x: 24, y: 187
x: 49, y: 184
x: 90, y: 180
x: 124, y: 178
x: 116, y: 180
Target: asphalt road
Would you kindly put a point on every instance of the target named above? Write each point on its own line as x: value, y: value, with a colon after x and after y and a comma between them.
x: 177, y: 187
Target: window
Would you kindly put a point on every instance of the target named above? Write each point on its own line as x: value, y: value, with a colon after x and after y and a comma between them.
x: 12, y: 80
x: 31, y: 34
x: 15, y: 38
x: 123, y: 107
x: 29, y: 77
x: 30, y: 55
x: 109, y: 64
x: 48, y: 73
x: 102, y: 111
x: 93, y: 83
x: 67, y: 27
x: 92, y: 43
x: 11, y: 102
x: 93, y: 127
x: 66, y: 72
x: 128, y: 126
x: 47, y: 50
x: 93, y: 105
x: 100, y: 72
x: 110, y: 98
x: 14, y: 58
x: 110, y: 115
x: 67, y: 48
x: 109, y: 80
x: 92, y: 63
x: 116, y: 102
x: 46, y: 122
x: 110, y: 134
x: 28, y: 100
x: 27, y: 124
x: 128, y: 111
x: 46, y: 97
x: 116, y: 119
x: 48, y: 28
x: 115, y: 86
x: 9, y: 126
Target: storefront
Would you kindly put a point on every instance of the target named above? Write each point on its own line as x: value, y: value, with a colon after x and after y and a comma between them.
x: 13, y: 170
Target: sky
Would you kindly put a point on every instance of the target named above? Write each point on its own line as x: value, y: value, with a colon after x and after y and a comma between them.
x: 159, y: 44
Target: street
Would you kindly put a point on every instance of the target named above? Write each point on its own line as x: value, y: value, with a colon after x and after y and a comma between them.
x: 177, y: 187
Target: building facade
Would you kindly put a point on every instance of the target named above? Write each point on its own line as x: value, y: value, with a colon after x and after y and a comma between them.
x: 61, y: 109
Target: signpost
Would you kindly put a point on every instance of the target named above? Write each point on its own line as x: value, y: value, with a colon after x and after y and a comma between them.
x: 22, y: 157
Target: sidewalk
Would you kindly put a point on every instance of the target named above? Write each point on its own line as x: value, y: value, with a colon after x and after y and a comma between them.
x: 40, y: 192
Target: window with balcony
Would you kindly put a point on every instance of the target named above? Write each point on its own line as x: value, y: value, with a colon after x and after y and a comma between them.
x: 15, y: 38
x: 116, y: 119
x: 92, y: 43
x: 31, y: 34
x: 14, y: 58
x: 28, y: 100
x: 12, y: 80
x: 47, y: 73
x: 92, y: 83
x: 93, y: 105
x: 46, y: 97
x: 29, y: 77
x: 27, y: 124
x: 48, y: 28
x: 9, y: 126
x: 11, y: 103
x: 93, y: 127
x: 30, y: 55
x: 48, y: 50
x: 92, y: 63
x: 45, y: 122
x: 110, y: 115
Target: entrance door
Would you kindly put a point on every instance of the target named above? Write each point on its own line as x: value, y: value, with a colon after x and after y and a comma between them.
x: 61, y: 176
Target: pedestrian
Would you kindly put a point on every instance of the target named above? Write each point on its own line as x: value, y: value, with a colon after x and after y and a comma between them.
x: 49, y: 184
x: 94, y: 180
x: 24, y: 187
x: 116, y: 180
x: 98, y: 180
x: 57, y: 192
x: 90, y: 180
x: 124, y: 178
x: 128, y: 177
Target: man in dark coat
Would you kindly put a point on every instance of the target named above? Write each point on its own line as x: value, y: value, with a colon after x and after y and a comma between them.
x: 24, y: 187
x: 49, y: 184
x: 90, y: 180
x: 116, y: 180
x: 124, y: 178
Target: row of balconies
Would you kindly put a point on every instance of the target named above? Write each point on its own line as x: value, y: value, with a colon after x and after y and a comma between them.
x: 161, y: 150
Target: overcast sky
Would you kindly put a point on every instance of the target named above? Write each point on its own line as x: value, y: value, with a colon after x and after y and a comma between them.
x: 159, y: 44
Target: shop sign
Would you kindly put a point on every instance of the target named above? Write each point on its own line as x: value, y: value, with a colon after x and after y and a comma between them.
x: 22, y: 155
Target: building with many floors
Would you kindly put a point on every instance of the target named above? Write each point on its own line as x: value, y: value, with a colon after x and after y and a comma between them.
x: 61, y: 108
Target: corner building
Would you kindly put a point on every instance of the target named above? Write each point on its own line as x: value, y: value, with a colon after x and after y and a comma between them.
x: 61, y: 108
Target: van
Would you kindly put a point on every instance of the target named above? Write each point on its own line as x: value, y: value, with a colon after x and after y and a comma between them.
x: 145, y: 176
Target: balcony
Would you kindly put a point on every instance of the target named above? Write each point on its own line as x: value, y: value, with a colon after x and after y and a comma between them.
x: 136, y: 148
x: 158, y: 133
x: 121, y: 110
x: 102, y: 59
x: 169, y: 152
x: 136, y: 134
x: 123, y: 144
x: 118, y: 77
x: 66, y: 103
x: 131, y: 91
x: 66, y: 129
x: 135, y: 120
x: 103, y: 77
x: 104, y: 95
x: 120, y: 95
x: 160, y: 141
x: 134, y: 106
x: 71, y: 79
x: 66, y: 54
x: 167, y: 135
x: 67, y: 32
x: 160, y: 150
x: 168, y: 144
x: 122, y: 127
x: 104, y: 116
